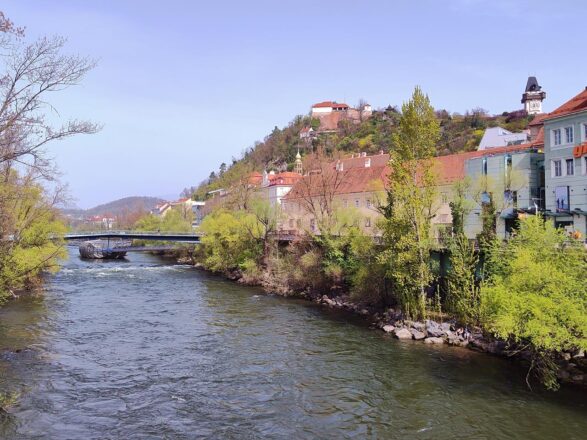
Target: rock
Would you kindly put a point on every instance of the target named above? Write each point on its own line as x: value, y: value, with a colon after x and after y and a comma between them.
x: 434, y: 330
x: 434, y: 340
x: 417, y: 334
x: 388, y: 328
x: 420, y: 326
x: 579, y: 354
x: 364, y: 312
x: 578, y: 378
x: 445, y: 326
x: 402, y: 333
x: 566, y: 356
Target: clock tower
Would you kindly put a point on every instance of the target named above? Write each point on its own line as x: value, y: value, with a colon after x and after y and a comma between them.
x: 533, y: 96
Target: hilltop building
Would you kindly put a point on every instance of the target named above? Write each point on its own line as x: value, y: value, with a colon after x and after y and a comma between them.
x: 330, y: 113
x: 533, y: 96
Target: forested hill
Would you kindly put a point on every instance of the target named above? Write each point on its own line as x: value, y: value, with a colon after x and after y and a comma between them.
x: 119, y: 207
x: 460, y: 132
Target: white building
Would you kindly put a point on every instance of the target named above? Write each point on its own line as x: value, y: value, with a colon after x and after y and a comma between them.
x: 500, y: 137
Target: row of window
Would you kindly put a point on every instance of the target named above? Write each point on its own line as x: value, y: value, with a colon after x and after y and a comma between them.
x: 569, y: 135
x: 368, y: 203
x: 298, y: 223
x: 566, y: 167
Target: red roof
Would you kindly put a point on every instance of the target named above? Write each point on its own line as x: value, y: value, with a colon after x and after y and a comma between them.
x: 255, y: 178
x: 576, y: 104
x: 356, y: 178
x: 285, y: 178
x: 538, y: 119
x: 330, y: 104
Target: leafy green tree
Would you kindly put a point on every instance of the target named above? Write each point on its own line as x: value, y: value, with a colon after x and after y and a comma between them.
x: 462, y: 286
x: 411, y: 196
x: 536, y: 297
x: 26, y: 247
x: 231, y: 240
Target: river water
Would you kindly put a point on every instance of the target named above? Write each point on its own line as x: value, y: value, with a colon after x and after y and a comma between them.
x: 143, y: 349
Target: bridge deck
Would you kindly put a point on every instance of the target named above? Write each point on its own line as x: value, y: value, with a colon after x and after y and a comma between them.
x: 129, y: 235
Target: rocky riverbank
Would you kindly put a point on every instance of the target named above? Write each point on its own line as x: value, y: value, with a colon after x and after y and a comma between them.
x: 572, y: 366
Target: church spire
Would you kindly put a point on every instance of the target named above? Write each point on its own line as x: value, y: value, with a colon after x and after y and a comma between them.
x: 298, y: 167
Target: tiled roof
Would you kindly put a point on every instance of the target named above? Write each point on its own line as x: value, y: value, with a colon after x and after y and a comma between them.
x: 538, y: 119
x: 330, y: 104
x: 356, y: 178
x: 575, y: 104
x: 285, y: 178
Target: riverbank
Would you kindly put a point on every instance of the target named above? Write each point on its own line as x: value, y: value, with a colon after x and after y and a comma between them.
x: 572, y: 366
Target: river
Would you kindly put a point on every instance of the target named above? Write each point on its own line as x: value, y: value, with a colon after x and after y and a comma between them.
x: 144, y: 349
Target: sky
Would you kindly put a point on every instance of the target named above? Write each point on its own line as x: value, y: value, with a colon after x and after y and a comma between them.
x: 182, y: 86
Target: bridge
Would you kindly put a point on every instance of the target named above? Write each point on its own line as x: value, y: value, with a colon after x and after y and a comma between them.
x: 178, y: 237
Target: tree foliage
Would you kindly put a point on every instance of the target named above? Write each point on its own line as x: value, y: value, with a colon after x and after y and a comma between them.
x: 411, y: 197
x: 536, y: 296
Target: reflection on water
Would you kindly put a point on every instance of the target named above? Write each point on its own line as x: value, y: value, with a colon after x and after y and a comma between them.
x: 142, y: 349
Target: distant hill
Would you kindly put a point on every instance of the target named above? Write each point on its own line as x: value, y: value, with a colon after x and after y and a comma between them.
x: 118, y: 207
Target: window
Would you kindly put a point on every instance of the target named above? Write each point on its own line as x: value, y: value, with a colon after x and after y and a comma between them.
x: 570, y: 167
x: 585, y: 132
x: 556, y: 136
x: 444, y: 197
x: 368, y: 222
x: 299, y: 223
x: 558, y: 168
x: 345, y: 203
x: 368, y: 162
x: 291, y: 223
x: 313, y: 225
x: 561, y: 195
x: 368, y: 203
x: 569, y: 135
x: 484, y: 166
x: 357, y: 203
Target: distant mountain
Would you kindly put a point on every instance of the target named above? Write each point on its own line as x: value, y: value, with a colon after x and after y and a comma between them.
x: 118, y: 207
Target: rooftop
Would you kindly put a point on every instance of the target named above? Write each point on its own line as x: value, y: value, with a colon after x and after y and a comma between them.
x: 574, y: 105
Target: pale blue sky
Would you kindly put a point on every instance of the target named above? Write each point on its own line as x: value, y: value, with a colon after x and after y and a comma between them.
x: 182, y: 86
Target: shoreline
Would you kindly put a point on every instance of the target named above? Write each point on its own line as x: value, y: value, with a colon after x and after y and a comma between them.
x: 572, y: 366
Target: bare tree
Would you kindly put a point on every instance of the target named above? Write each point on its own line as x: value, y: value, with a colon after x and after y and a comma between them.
x: 32, y: 72
x: 317, y: 192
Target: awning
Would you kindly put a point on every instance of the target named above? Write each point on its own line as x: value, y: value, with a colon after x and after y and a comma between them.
x: 579, y: 211
x: 556, y: 214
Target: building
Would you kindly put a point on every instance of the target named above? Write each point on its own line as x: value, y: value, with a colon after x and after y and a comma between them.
x: 307, y: 133
x: 500, y: 137
x: 198, y: 212
x: 274, y: 187
x: 565, y: 149
x: 331, y: 113
x: 355, y: 184
x: 533, y: 96
x: 512, y: 176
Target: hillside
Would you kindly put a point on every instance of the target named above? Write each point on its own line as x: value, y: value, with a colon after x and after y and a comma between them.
x: 277, y: 151
x: 118, y: 207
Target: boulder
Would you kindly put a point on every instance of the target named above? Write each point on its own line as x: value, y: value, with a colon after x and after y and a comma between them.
x: 417, y: 334
x: 445, y: 326
x: 402, y: 333
x: 434, y: 340
x: 434, y: 330
x: 388, y: 328
x: 420, y: 326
